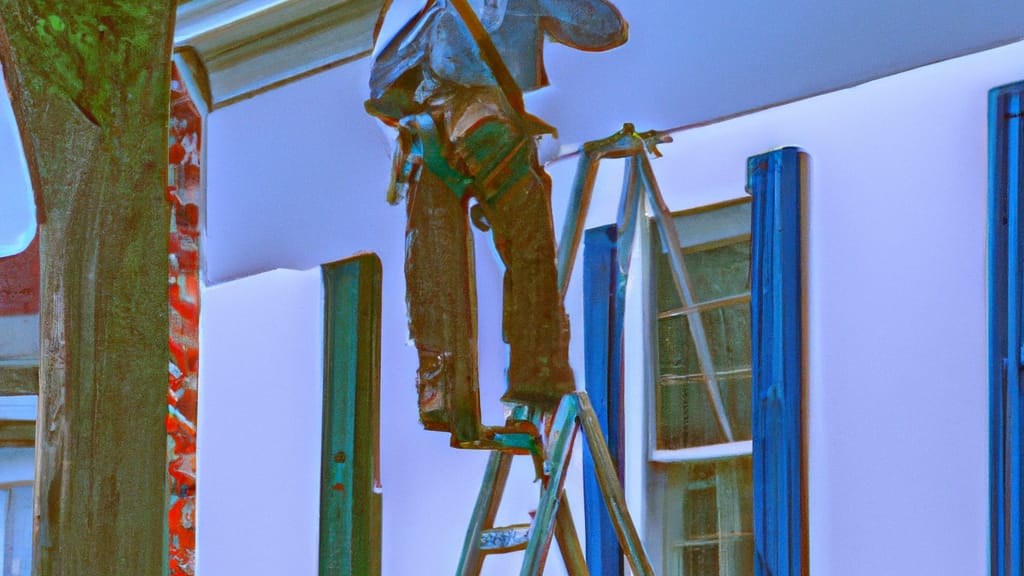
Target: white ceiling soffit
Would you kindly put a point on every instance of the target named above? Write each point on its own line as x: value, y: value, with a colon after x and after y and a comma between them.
x: 247, y: 46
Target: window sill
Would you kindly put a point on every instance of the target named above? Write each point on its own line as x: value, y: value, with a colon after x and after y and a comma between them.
x: 700, y: 453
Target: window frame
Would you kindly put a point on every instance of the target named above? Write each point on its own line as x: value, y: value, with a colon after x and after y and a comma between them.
x: 7, y: 491
x: 776, y: 180
x: 17, y: 431
x: 663, y: 466
x: 696, y: 453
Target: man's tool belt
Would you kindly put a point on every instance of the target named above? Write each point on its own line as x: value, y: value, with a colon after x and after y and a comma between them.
x: 485, y: 150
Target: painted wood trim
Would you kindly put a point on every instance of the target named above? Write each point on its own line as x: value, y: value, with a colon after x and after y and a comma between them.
x: 244, y: 47
x: 604, y: 303
x: 1006, y: 282
x: 19, y: 380
x: 19, y: 281
x: 776, y: 182
x: 350, y: 495
x: 17, y: 433
x: 705, y: 453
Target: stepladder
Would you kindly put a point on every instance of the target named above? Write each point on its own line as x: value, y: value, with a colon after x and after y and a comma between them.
x: 551, y: 449
x: 548, y: 437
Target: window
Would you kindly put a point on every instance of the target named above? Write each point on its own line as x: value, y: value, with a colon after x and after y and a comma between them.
x: 19, y: 347
x: 701, y: 426
x: 725, y: 481
x: 1006, y: 132
x: 17, y: 432
x: 16, y: 533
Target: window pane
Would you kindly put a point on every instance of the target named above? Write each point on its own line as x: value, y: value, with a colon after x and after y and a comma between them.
x: 5, y: 504
x: 715, y: 536
x: 735, y: 390
x: 708, y: 511
x: 700, y: 560
x: 17, y: 466
x: 715, y: 271
x: 21, y: 408
x: 700, y: 506
x: 740, y: 555
x: 18, y: 541
x: 719, y: 276
x: 684, y: 415
x: 16, y: 471
x: 728, y: 333
x: 677, y: 355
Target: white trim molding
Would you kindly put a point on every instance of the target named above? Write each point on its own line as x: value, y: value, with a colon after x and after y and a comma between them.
x: 243, y: 47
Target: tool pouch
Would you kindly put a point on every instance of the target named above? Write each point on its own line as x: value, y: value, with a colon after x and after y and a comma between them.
x: 405, y: 167
x: 491, y: 141
x: 474, y: 141
x: 497, y: 154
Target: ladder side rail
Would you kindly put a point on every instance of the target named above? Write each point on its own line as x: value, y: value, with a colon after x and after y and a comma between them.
x: 575, y: 218
x: 491, y: 490
x: 615, y: 497
x: 568, y: 540
x: 630, y: 212
x: 559, y: 450
x: 670, y: 239
x: 553, y: 517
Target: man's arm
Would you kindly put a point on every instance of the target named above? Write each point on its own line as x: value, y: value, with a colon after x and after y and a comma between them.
x: 584, y: 24
x: 395, y: 75
x: 453, y: 53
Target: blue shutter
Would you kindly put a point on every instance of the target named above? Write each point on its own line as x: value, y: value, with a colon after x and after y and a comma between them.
x: 1005, y: 163
x: 604, y: 293
x: 775, y: 180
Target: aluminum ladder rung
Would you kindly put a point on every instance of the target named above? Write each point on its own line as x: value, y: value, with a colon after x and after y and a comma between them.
x: 553, y: 519
x: 504, y: 539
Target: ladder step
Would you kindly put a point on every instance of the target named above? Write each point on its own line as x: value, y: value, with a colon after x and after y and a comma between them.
x: 504, y: 539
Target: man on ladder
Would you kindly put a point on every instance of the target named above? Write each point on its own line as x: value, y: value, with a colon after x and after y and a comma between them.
x: 451, y: 82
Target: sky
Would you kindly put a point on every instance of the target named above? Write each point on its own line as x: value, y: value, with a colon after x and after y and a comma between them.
x: 17, y: 209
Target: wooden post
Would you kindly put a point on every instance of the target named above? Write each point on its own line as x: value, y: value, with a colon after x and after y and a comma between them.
x: 89, y: 85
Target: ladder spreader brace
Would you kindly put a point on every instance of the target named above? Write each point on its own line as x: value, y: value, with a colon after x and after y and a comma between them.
x: 548, y: 437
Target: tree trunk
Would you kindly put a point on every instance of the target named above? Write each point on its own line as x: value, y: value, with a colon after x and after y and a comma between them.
x: 89, y: 84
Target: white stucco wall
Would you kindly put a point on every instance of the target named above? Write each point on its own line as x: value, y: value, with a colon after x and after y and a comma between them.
x: 260, y: 420
x: 691, y: 62
x: 685, y: 63
x: 259, y: 425
x: 897, y: 392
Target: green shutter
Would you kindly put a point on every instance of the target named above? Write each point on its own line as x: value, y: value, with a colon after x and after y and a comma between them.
x: 350, y: 500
